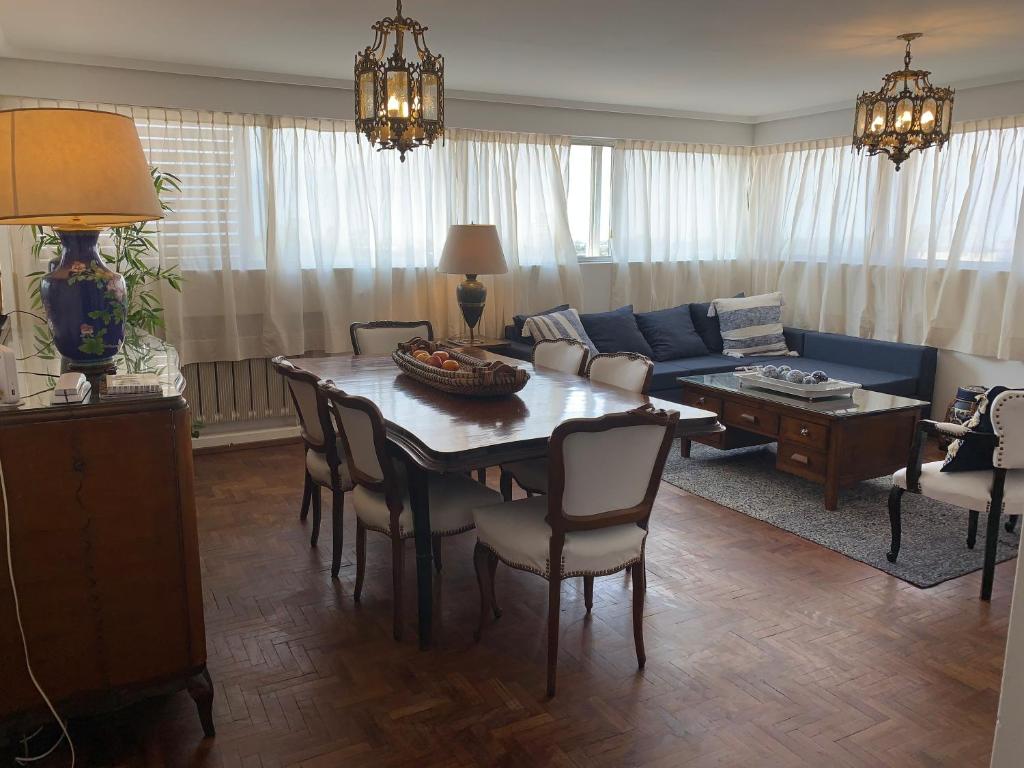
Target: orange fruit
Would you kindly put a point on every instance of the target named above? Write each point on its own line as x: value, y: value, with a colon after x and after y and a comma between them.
x: 450, y: 365
x: 442, y: 354
x: 421, y: 355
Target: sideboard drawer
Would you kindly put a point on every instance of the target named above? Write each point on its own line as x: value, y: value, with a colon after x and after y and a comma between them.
x: 801, y: 460
x: 700, y: 400
x: 804, y: 432
x: 751, y: 418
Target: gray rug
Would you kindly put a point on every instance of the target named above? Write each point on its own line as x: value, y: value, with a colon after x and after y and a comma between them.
x: 934, y: 547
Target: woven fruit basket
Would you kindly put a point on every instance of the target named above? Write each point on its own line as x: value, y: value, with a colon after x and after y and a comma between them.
x: 474, y: 378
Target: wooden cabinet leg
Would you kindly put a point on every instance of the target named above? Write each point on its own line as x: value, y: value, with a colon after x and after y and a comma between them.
x: 200, y: 688
x: 684, y: 447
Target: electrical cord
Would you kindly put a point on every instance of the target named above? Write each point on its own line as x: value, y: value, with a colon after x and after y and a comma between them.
x: 24, y: 639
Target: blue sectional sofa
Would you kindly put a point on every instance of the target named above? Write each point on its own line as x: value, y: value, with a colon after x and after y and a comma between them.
x: 898, y: 369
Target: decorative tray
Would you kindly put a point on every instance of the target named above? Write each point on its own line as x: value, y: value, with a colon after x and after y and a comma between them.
x: 830, y: 388
x: 474, y: 377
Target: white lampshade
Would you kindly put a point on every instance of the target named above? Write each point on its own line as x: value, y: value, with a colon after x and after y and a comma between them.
x: 73, y: 169
x: 472, y: 249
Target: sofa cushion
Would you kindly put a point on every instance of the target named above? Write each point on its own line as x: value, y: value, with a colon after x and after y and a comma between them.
x: 671, y: 334
x: 519, y: 321
x: 616, y: 331
x: 558, y: 325
x: 708, y: 328
x: 752, y: 325
x: 666, y: 373
x: 890, y: 382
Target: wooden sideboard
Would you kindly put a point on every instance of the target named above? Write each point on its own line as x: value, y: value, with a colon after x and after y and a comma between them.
x: 105, y: 553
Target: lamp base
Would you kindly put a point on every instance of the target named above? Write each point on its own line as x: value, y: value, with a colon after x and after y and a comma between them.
x: 471, y: 295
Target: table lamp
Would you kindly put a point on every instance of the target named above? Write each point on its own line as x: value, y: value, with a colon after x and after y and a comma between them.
x: 471, y: 250
x: 78, y: 171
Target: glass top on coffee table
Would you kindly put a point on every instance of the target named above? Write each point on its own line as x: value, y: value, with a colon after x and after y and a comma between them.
x: 862, y: 401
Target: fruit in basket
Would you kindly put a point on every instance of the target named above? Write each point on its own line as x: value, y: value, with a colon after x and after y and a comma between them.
x: 435, y: 361
x: 450, y: 365
x: 442, y: 354
x: 421, y: 355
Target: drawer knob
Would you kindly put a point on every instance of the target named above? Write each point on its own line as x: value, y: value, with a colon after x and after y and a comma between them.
x: 749, y: 417
x: 804, y: 431
x: 700, y: 401
x: 799, y: 458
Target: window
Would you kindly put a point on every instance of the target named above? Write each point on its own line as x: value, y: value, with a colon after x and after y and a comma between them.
x: 589, y: 199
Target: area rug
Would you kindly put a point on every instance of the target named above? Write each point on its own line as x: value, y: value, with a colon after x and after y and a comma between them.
x: 934, y: 547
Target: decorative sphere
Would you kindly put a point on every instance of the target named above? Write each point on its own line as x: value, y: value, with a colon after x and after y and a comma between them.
x: 796, y: 377
x: 770, y: 371
x: 810, y: 380
x: 785, y: 368
x: 820, y: 377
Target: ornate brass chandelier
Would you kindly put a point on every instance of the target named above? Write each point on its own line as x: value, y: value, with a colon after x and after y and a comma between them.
x: 399, y: 104
x: 908, y: 113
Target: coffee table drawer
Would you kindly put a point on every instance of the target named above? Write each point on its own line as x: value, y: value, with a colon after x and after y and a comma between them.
x: 801, y: 460
x: 804, y: 432
x: 752, y: 418
x: 700, y: 400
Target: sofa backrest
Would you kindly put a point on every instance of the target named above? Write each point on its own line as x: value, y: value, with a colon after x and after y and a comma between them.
x: 908, y: 359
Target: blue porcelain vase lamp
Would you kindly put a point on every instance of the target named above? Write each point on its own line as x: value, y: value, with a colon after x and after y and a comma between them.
x: 78, y: 171
x: 472, y: 250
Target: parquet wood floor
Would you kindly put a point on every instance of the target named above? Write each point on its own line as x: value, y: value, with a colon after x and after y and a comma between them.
x: 763, y: 650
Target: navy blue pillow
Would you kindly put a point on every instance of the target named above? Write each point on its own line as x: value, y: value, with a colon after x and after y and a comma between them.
x: 969, y: 454
x: 708, y: 328
x: 671, y: 334
x: 519, y: 321
x: 616, y: 331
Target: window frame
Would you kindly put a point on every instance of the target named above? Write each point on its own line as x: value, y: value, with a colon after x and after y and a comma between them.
x: 596, y: 196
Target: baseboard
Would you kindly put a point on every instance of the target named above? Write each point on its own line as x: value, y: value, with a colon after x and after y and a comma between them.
x: 249, y: 438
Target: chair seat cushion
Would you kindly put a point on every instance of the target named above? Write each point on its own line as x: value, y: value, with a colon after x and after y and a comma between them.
x: 970, y: 490
x: 532, y: 474
x: 518, y: 534
x: 320, y: 470
x: 452, y: 499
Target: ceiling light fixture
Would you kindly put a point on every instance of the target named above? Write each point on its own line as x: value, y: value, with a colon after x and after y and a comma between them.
x: 908, y: 113
x: 399, y: 104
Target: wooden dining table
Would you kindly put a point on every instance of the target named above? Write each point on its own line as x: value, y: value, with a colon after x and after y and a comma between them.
x: 436, y: 432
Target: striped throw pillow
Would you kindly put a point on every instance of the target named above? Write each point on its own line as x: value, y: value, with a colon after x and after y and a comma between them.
x: 751, y: 325
x: 558, y: 325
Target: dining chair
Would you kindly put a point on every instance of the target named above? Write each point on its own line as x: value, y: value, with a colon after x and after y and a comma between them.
x: 998, y: 491
x: 626, y: 370
x: 603, y: 478
x: 565, y: 355
x: 382, y: 337
x: 325, y: 463
x: 381, y: 495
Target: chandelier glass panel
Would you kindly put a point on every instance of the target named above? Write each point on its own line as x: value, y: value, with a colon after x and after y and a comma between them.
x: 907, y: 114
x: 399, y: 103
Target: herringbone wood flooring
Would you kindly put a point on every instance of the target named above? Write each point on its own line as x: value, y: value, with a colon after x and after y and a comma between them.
x: 763, y: 650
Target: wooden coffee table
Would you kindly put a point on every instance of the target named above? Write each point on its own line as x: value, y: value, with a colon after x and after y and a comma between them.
x: 836, y: 442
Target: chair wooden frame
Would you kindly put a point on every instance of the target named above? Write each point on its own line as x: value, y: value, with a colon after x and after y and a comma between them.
x: 375, y: 324
x: 629, y: 356
x: 572, y: 342
x: 485, y: 559
x: 329, y: 448
x: 393, y: 494
x: 939, y: 429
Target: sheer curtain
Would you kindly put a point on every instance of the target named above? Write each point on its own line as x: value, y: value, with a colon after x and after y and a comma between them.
x: 287, y: 230
x: 933, y: 254
x: 678, y: 215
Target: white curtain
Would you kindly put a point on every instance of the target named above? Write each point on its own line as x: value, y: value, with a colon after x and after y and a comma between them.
x: 288, y: 230
x: 678, y: 214
x: 933, y: 254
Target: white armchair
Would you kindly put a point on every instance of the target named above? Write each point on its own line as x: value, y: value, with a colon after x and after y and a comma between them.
x: 999, y: 491
x: 603, y: 478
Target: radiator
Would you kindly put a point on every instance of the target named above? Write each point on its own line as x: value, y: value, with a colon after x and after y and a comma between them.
x: 236, y: 392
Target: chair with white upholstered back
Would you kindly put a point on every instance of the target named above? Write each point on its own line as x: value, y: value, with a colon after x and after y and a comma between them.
x: 999, y: 491
x: 381, y: 495
x: 325, y: 461
x: 565, y: 355
x: 625, y: 370
x: 603, y: 478
x: 382, y: 337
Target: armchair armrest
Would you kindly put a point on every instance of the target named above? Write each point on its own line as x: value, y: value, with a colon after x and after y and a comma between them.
x: 935, y: 428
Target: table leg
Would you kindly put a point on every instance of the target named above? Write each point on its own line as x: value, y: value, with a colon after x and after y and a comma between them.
x: 419, y: 500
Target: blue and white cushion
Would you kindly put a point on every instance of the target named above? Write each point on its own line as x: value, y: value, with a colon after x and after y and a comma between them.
x: 751, y: 325
x: 558, y: 325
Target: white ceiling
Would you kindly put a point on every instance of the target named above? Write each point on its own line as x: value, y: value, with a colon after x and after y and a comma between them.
x: 739, y: 58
